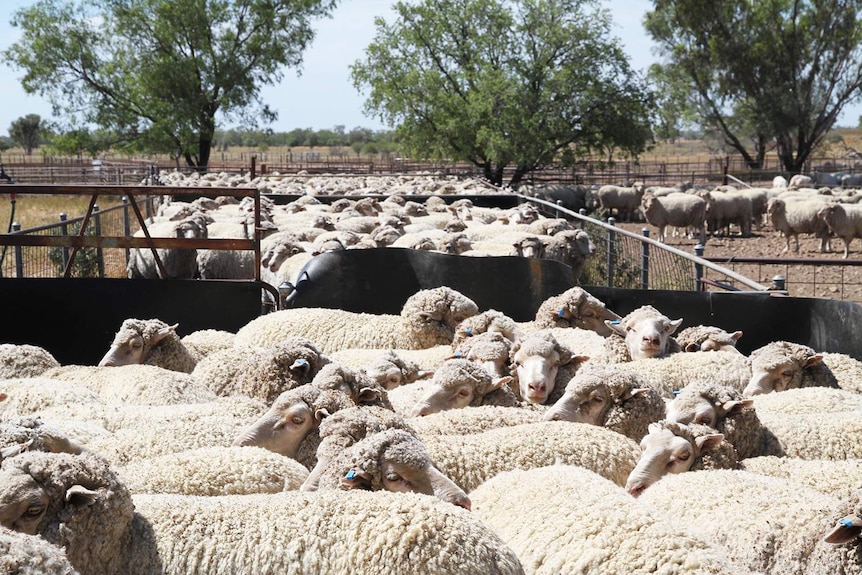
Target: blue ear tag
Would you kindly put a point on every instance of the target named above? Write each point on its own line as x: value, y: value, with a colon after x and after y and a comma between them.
x: 846, y: 523
x: 560, y: 313
x: 351, y: 475
x: 469, y: 331
x: 675, y: 392
x: 459, y: 355
x: 301, y: 361
x: 614, y: 322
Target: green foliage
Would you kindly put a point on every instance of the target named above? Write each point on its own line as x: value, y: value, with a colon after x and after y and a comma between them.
x: 26, y: 131
x: 527, y: 83
x: 772, y: 71
x: 159, y: 71
x: 86, y: 263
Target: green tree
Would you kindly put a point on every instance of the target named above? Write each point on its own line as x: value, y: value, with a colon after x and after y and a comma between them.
x: 26, y: 131
x: 160, y: 71
x: 523, y: 83
x: 772, y: 72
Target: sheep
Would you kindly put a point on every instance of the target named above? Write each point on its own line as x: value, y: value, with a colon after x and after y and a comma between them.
x: 726, y: 208
x: 769, y: 525
x: 490, y: 350
x: 549, y: 226
x: 391, y: 460
x: 571, y: 247
x: 625, y: 201
x: 31, y: 395
x: 177, y: 263
x: 672, y: 448
x: 209, y: 471
x: 290, y: 419
x: 29, y: 554
x: 805, y: 400
x: 800, y: 181
x: 679, y: 210
x: 207, y: 341
x: 707, y: 338
x: 794, y: 218
x: 33, y: 434
x: 601, y: 395
x: 140, y: 384
x: 428, y: 318
x: 470, y: 420
x: 541, y: 367
x: 426, y: 359
x: 470, y: 460
x: 150, y: 342
x: 105, y: 530
x: 390, y: 370
x: 575, y: 307
x: 24, y: 361
x: 844, y: 221
x: 579, y: 522
x: 817, y: 435
x: 488, y: 320
x: 782, y: 365
x: 647, y: 334
x: 461, y: 382
x: 728, y: 412
x: 824, y: 475
x: 266, y: 372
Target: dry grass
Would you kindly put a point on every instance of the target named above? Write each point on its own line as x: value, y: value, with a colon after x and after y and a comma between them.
x: 32, y: 211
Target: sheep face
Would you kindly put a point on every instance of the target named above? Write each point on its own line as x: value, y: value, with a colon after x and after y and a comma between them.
x: 696, y: 408
x: 779, y: 371
x: 646, y: 334
x: 283, y: 427
x: 664, y: 451
x: 536, y: 363
x: 133, y: 340
x: 582, y: 404
x: 530, y: 247
x: 457, y: 383
x: 23, y: 504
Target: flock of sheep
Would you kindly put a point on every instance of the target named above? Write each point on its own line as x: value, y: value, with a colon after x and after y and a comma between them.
x: 444, y: 439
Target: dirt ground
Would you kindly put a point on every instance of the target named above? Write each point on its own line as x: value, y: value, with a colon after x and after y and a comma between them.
x: 825, y: 275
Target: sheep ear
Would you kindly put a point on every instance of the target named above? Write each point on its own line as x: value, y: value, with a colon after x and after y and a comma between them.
x: 500, y: 382
x: 80, y: 496
x: 300, y: 364
x: 813, y: 360
x: 732, y: 407
x: 429, y: 317
x: 692, y: 347
x: 845, y: 531
x: 709, y: 442
x: 356, y: 480
x: 616, y: 327
x: 633, y: 392
x: 674, y: 324
x: 577, y: 360
x: 321, y: 414
x: 165, y: 332
x: 653, y: 428
x: 425, y: 374
x: 736, y: 335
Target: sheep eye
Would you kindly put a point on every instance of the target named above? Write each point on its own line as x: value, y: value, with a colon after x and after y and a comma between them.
x: 683, y: 456
x: 703, y: 420
x: 393, y: 379
x: 463, y: 393
x: 588, y: 313
x: 393, y: 477
x: 787, y: 373
x: 34, y: 510
x: 137, y: 344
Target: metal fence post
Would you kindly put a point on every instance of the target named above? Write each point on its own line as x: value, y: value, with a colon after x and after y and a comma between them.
x: 583, y: 212
x: 100, y: 254
x: 645, y: 260
x: 19, y: 254
x: 698, y: 268
x: 126, y: 224
x: 612, y: 235
x: 64, y: 230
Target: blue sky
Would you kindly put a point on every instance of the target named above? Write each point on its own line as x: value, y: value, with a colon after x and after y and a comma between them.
x: 323, y: 95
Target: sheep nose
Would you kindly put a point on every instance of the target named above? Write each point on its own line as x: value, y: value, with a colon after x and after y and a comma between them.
x: 464, y: 502
x: 636, y: 490
x: 537, y: 386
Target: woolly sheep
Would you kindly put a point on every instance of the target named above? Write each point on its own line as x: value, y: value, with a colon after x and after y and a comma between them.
x: 24, y: 361
x: 489, y: 320
x: 679, y: 210
x: 816, y: 435
x: 769, y: 525
x: 212, y: 471
x: 461, y: 382
x: 579, y: 522
x: 625, y: 201
x: 33, y: 434
x: 426, y: 359
x: 472, y: 459
x: 31, y: 395
x: 794, y: 218
x: 150, y: 342
x: 575, y: 307
x: 781, y: 365
x: 391, y: 460
x: 571, y: 247
x: 808, y: 400
x: 647, y: 333
x: 844, y: 221
x: 207, y: 341
x: 726, y: 208
x: 140, y: 384
x: 428, y: 318
x: 707, y: 338
x: 541, y: 367
x: 391, y: 370
x: 31, y: 555
x: 728, y: 412
x: 177, y: 263
x: 672, y: 448
x: 490, y: 350
x: 107, y: 531
x: 361, y: 389
x: 326, y: 532
x: 290, y: 419
x: 470, y: 419
x: 601, y: 395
